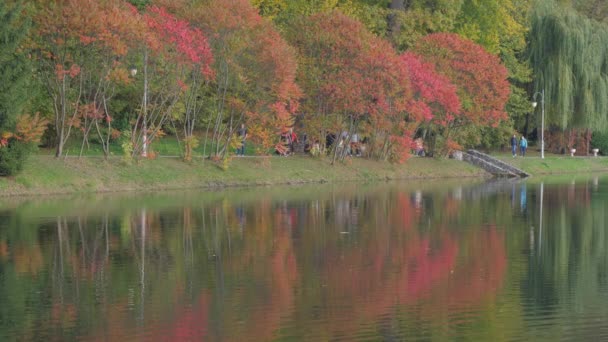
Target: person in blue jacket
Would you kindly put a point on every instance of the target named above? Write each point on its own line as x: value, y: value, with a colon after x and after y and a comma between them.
x: 523, y: 146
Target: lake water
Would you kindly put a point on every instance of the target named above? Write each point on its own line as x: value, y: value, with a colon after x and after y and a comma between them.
x: 435, y: 260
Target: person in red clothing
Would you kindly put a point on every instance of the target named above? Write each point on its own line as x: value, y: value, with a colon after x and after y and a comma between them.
x: 292, y: 139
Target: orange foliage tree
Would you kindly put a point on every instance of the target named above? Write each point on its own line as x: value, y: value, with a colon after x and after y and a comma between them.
x: 81, y: 47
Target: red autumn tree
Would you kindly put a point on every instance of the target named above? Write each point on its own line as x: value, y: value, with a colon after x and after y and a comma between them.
x: 435, y: 103
x: 351, y: 78
x: 434, y: 98
x: 177, y: 61
x: 480, y: 78
x: 255, y: 73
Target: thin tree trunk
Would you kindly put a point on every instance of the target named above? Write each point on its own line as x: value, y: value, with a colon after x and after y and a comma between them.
x: 393, y: 24
x: 60, y: 122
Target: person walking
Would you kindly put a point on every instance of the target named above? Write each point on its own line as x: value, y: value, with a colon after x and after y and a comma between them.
x: 514, y: 145
x: 523, y: 146
x: 292, y: 139
x: 242, y: 133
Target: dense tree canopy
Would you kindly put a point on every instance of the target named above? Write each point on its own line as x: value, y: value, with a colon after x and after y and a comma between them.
x: 14, y: 83
x: 14, y: 65
x: 481, y: 80
x: 350, y: 77
x: 455, y: 72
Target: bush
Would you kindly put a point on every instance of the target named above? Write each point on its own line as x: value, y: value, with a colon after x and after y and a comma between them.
x: 13, y: 156
x: 600, y: 140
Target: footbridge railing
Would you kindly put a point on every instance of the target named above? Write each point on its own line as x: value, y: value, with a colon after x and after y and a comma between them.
x: 492, y: 165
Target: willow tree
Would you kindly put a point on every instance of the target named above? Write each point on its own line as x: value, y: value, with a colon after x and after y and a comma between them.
x: 569, y: 56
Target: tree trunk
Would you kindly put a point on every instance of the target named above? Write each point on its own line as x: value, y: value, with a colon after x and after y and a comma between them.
x: 588, y: 140
x: 393, y: 25
x: 59, y: 149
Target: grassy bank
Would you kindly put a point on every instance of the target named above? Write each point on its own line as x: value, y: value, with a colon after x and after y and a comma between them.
x: 556, y: 164
x: 47, y: 175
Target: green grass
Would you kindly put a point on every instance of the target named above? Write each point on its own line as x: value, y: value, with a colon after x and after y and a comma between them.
x: 554, y: 163
x: 167, y: 146
x: 48, y: 175
x: 44, y: 174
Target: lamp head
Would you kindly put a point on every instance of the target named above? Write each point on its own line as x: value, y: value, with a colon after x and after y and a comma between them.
x: 534, y: 104
x: 132, y: 71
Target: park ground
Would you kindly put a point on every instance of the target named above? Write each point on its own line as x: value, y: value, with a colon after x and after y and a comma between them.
x: 554, y: 164
x: 44, y: 175
x: 48, y: 175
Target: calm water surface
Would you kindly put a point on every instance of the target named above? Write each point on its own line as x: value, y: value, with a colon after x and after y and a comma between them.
x: 392, y: 261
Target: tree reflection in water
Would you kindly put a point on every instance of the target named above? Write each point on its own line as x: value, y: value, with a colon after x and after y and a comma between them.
x: 265, y: 265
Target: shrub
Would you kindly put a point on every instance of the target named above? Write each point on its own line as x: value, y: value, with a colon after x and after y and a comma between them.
x: 600, y: 140
x: 13, y: 156
x: 127, y: 147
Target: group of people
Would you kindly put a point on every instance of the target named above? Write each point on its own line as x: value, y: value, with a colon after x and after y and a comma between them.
x: 289, y: 139
x: 522, y: 143
x: 354, y: 145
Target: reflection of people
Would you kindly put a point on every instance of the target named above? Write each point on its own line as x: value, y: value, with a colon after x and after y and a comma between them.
x: 240, y: 214
x: 242, y: 132
x: 514, y: 145
x: 523, y: 198
x: 523, y: 145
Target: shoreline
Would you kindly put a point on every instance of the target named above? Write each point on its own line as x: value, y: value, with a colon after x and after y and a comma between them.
x: 47, y: 176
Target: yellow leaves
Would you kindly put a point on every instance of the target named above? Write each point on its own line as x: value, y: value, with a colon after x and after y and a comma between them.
x: 451, y: 146
x: 156, y: 135
x: 190, y: 143
x: 119, y: 75
x: 494, y: 24
x: 235, y: 142
x: 30, y: 128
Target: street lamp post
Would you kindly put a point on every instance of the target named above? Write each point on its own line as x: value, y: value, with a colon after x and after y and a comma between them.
x: 542, y: 120
x: 133, y: 72
x: 145, y: 107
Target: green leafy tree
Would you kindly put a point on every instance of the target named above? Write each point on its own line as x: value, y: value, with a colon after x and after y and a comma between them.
x: 372, y: 13
x: 409, y: 21
x: 14, y: 65
x: 500, y: 26
x: 14, y: 80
